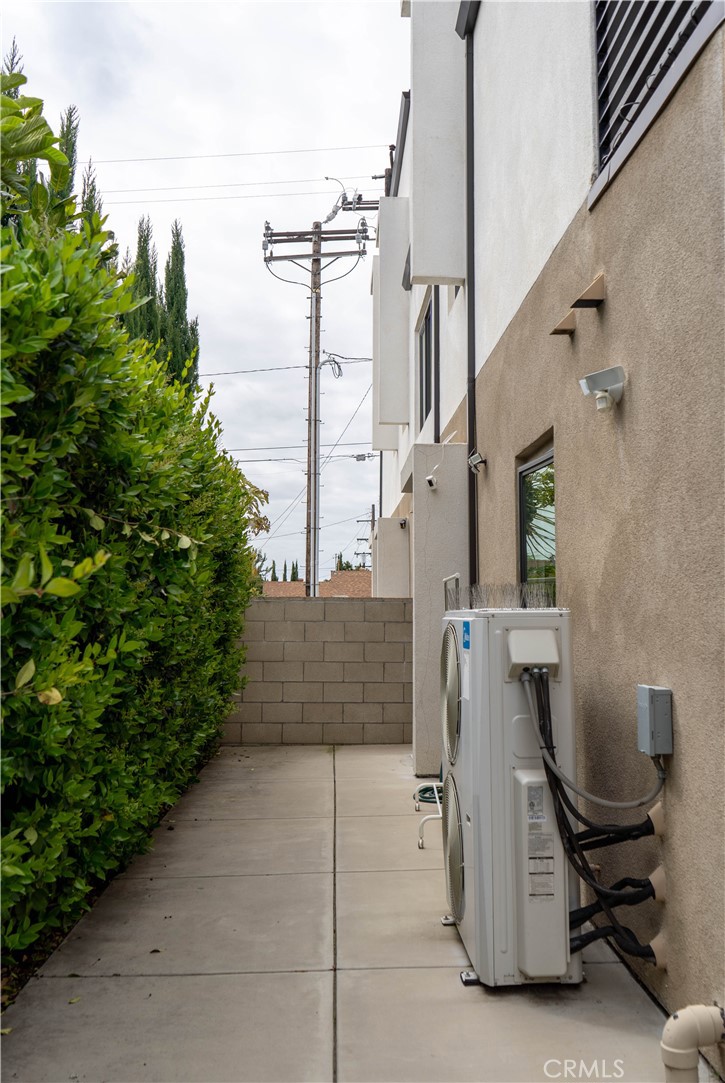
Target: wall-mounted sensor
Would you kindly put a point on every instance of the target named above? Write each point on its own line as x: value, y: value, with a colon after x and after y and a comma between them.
x: 431, y: 481
x: 607, y: 386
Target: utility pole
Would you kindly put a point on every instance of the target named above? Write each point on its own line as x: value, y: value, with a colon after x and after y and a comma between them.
x: 371, y: 523
x: 312, y: 534
x: 316, y: 238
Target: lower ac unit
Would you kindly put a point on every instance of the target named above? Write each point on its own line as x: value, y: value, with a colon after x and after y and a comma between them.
x: 507, y: 876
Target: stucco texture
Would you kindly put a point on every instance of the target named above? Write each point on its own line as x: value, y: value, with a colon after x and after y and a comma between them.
x: 639, y: 501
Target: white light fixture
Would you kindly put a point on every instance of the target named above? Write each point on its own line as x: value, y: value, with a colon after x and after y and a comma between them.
x: 476, y: 461
x: 607, y: 386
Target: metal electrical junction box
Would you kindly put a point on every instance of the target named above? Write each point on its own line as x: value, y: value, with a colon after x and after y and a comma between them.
x: 654, y: 720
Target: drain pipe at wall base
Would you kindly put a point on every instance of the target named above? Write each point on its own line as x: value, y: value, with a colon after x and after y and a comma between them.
x: 685, y: 1032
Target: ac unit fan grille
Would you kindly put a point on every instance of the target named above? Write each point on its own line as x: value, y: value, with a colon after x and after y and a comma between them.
x: 450, y: 693
x: 453, y: 849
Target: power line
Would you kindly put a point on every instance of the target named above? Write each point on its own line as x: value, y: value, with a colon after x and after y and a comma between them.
x: 284, y: 515
x: 240, y: 372
x: 291, y: 447
x: 229, y: 184
x: 238, y: 154
x: 209, y: 199
x: 343, y: 357
x: 324, y: 526
x: 295, y: 500
x: 278, y: 368
x: 331, y: 566
x: 362, y: 400
x: 334, y: 458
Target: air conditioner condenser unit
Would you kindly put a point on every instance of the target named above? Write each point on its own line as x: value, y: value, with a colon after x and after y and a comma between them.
x: 507, y: 877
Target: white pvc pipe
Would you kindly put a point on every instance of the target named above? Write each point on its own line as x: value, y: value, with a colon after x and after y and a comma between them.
x: 684, y: 1033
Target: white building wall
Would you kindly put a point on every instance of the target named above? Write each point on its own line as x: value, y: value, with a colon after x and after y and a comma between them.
x: 391, y: 558
x: 436, y: 132
x: 385, y: 437
x: 439, y: 549
x: 391, y: 479
x: 534, y: 147
x: 393, y: 331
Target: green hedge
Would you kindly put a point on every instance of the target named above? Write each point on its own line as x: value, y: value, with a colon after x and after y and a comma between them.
x: 127, y: 566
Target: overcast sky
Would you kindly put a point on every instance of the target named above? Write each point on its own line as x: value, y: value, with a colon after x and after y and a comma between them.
x: 250, y: 105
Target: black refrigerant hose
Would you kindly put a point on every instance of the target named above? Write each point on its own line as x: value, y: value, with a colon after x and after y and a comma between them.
x: 613, y: 834
x: 626, y: 941
x: 607, y: 898
x: 585, y: 913
x: 571, y: 845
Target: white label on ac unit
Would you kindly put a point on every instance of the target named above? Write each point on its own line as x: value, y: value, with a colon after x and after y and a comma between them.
x: 540, y: 845
x: 535, y: 804
x: 466, y: 677
x: 541, y: 864
x: 541, y: 884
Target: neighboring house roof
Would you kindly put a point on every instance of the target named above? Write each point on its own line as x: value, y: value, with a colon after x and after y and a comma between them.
x: 358, y: 584
x: 284, y: 590
x: 355, y: 584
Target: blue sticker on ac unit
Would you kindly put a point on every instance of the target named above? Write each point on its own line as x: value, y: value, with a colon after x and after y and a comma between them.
x: 466, y: 635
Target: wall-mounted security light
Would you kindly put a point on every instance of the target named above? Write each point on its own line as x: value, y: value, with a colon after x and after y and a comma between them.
x: 607, y: 386
x: 476, y: 461
x: 593, y: 295
x: 567, y: 326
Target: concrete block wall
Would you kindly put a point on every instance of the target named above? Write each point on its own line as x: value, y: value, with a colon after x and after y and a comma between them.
x: 325, y: 671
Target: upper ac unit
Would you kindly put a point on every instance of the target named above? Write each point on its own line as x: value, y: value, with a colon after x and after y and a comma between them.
x: 506, y: 872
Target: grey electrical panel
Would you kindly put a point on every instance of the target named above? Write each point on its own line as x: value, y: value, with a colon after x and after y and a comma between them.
x: 654, y: 720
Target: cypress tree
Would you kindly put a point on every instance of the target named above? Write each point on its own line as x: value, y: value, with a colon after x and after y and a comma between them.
x: 162, y: 318
x: 284, y: 572
x: 144, y: 321
x: 91, y: 202
x: 68, y: 143
x: 12, y: 63
x: 180, y: 336
x: 274, y: 577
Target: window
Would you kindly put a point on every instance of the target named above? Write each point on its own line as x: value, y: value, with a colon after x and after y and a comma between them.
x: 638, y: 41
x: 425, y: 366
x: 537, y: 525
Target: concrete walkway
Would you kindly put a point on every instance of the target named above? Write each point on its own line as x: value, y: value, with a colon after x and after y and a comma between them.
x: 286, y: 927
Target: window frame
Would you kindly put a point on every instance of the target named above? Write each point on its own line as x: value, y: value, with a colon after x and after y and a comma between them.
x: 425, y: 352
x: 542, y: 458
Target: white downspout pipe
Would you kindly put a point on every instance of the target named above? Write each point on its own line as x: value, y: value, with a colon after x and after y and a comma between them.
x: 684, y: 1033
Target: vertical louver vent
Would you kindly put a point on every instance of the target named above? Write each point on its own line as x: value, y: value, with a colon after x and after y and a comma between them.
x: 453, y: 849
x: 637, y: 42
x: 450, y: 694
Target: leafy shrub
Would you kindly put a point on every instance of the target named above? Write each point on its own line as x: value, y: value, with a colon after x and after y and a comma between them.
x: 126, y: 569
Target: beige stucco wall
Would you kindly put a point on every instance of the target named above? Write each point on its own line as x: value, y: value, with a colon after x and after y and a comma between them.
x: 639, y: 500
